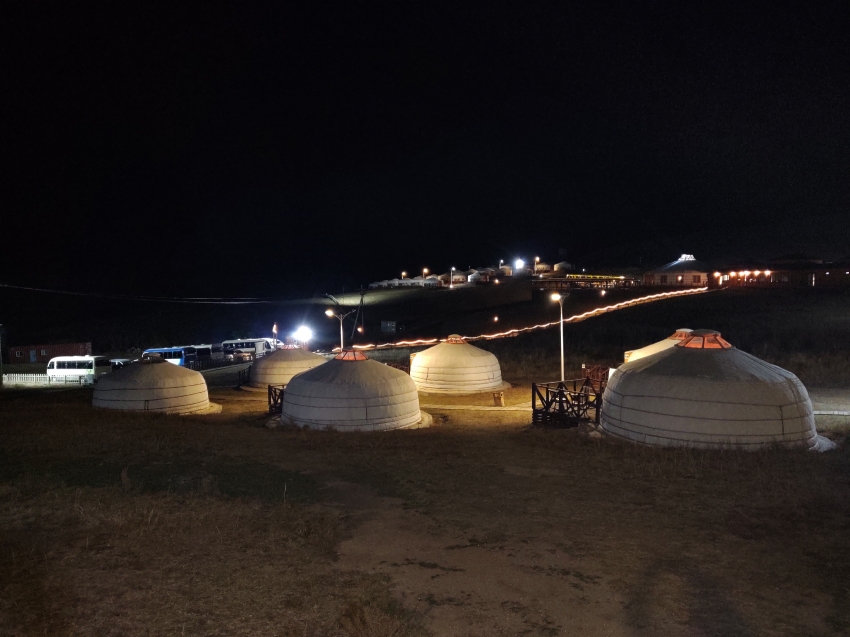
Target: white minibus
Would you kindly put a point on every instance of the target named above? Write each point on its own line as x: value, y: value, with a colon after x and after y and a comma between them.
x: 85, y: 368
x: 255, y: 346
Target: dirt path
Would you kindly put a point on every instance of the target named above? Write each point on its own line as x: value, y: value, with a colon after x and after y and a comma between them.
x: 467, y: 586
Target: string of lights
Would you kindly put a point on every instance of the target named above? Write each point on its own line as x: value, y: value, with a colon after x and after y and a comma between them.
x: 571, y: 319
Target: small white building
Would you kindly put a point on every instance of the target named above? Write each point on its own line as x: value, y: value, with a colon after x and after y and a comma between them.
x: 152, y: 385
x: 685, y: 271
x: 541, y: 267
x: 563, y: 266
x: 705, y: 393
x: 280, y: 367
x: 456, y: 367
x: 352, y: 393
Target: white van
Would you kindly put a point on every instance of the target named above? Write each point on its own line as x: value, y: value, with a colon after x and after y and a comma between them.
x: 255, y: 347
x: 84, y: 368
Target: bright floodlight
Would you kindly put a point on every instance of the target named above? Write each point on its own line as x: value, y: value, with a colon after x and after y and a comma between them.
x: 303, y: 334
x: 519, y: 263
x: 329, y: 312
x: 556, y: 297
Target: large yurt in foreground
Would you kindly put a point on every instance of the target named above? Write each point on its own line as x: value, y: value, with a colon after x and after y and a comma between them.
x: 705, y: 393
x: 279, y: 367
x: 153, y: 385
x: 678, y: 336
x: 456, y: 367
x: 352, y: 393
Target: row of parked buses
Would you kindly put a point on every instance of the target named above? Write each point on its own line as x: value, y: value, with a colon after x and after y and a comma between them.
x: 235, y: 350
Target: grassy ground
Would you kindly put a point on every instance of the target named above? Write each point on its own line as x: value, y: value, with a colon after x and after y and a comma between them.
x: 120, y: 524
x: 116, y: 524
x: 802, y: 330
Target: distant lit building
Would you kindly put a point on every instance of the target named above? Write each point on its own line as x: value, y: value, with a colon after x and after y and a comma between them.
x: 43, y: 353
x: 685, y: 271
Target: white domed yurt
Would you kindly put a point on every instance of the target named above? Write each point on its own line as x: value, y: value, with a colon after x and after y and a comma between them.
x: 456, y: 367
x: 279, y: 367
x: 678, y: 336
x: 153, y: 385
x: 705, y: 393
x: 352, y: 393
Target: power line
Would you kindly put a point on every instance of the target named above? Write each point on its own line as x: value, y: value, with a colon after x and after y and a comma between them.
x: 197, y: 300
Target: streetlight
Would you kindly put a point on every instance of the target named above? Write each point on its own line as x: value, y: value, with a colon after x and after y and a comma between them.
x: 424, y: 272
x: 274, y: 331
x: 329, y: 313
x: 536, y: 261
x: 303, y: 335
x: 403, y: 274
x: 519, y: 263
x: 452, y: 277
x: 560, y: 299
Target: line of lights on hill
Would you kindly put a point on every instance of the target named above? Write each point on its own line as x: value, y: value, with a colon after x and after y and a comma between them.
x: 743, y: 273
x: 570, y: 319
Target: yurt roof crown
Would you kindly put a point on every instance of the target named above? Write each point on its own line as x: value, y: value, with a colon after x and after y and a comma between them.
x: 704, y: 339
x: 351, y: 355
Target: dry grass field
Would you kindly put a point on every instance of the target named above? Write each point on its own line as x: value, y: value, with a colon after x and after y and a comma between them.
x: 116, y: 524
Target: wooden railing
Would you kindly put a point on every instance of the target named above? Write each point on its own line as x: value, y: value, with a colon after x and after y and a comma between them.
x: 567, y: 403
x: 276, y: 398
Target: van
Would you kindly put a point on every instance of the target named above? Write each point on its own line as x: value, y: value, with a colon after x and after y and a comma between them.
x: 84, y: 368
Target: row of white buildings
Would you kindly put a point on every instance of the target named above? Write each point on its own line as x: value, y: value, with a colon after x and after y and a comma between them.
x: 472, y: 276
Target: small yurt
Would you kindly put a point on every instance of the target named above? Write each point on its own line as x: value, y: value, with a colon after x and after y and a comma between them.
x: 456, y: 367
x: 279, y: 367
x: 352, y: 393
x: 703, y: 392
x: 153, y: 385
x: 677, y: 336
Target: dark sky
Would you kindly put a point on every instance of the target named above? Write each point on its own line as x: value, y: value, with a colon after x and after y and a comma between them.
x: 242, y: 150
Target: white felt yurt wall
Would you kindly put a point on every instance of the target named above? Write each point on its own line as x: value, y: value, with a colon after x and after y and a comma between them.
x: 705, y: 393
x: 352, y: 393
x: 455, y: 367
x: 279, y: 367
x: 153, y: 386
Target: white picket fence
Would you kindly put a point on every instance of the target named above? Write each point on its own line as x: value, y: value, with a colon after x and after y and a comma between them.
x: 43, y: 380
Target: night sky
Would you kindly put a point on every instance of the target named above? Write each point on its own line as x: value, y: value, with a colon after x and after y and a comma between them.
x: 246, y: 151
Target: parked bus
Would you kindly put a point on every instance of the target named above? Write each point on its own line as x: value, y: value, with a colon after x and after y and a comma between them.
x: 209, y: 352
x: 247, y: 348
x: 180, y: 355
x: 86, y: 368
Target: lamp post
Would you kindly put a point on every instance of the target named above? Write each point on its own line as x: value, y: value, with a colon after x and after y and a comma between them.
x: 560, y: 299
x: 341, y: 317
x: 452, y: 277
x: 536, y: 261
x: 403, y: 274
x: 274, y: 332
x: 424, y: 272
